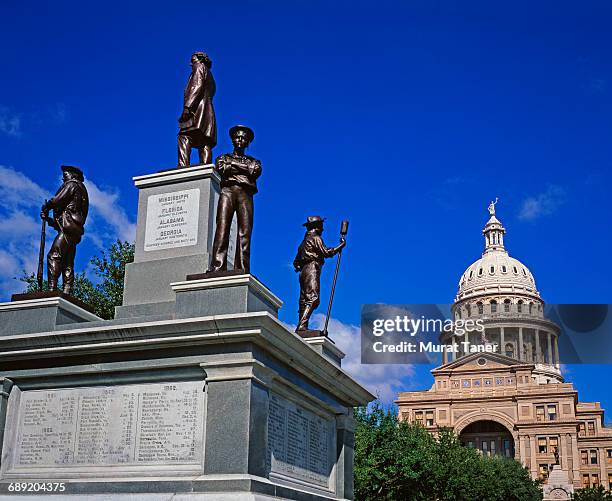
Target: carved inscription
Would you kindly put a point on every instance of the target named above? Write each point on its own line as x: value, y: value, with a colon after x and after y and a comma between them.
x: 299, y: 442
x: 136, y: 424
x: 172, y: 220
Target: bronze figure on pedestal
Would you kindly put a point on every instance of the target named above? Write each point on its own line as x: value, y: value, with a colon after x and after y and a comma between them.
x: 70, y: 206
x: 198, y: 126
x: 239, y: 173
x: 309, y: 260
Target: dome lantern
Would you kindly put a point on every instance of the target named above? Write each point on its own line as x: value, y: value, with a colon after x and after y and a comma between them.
x: 494, y: 231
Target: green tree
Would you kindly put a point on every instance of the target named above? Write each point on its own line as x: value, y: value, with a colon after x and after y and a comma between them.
x: 592, y: 494
x: 401, y: 461
x: 103, y: 296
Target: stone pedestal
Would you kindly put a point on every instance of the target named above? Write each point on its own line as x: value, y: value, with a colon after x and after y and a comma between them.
x: 327, y: 348
x: 558, y: 486
x: 234, y: 404
x: 222, y: 295
x: 174, y: 235
x: 43, y: 311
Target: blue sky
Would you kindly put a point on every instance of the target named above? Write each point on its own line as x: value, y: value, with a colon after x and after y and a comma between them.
x: 404, y: 117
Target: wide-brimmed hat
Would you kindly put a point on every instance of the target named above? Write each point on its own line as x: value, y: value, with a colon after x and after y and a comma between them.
x: 249, y: 132
x: 313, y: 221
x: 73, y: 170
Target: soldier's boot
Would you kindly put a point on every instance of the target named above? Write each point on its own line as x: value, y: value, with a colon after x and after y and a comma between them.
x: 68, y: 280
x: 305, y: 313
x: 184, y: 150
x: 54, y: 260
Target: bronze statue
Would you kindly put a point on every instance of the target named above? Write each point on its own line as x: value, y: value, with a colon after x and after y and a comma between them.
x: 310, y: 258
x: 70, y: 206
x: 239, y: 173
x: 198, y: 126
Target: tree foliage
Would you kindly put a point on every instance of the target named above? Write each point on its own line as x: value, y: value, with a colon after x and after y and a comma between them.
x: 593, y: 494
x: 397, y: 460
x: 104, y: 295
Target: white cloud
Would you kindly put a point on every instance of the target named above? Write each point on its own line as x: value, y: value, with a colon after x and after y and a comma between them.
x: 543, y: 204
x: 105, y: 204
x: 20, y: 201
x: 383, y: 380
x: 18, y: 190
x: 10, y: 123
x: 18, y: 225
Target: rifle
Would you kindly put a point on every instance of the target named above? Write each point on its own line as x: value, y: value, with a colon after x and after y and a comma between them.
x: 41, y: 253
x: 343, y: 232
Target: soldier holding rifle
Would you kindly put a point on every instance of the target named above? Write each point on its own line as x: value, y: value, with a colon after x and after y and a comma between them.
x: 70, y: 206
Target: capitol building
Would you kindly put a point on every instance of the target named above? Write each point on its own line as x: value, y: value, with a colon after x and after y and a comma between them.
x: 514, y: 402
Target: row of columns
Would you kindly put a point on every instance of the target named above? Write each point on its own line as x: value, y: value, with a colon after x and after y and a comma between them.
x: 552, y: 347
x: 495, y: 238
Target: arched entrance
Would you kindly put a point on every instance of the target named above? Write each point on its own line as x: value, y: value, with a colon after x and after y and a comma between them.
x: 489, y: 437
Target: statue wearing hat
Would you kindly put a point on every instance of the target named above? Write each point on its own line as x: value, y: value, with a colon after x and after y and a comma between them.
x: 239, y: 173
x: 310, y: 257
x: 198, y: 126
x: 70, y: 206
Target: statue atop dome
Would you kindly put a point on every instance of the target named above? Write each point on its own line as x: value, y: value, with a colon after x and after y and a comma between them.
x: 492, y: 207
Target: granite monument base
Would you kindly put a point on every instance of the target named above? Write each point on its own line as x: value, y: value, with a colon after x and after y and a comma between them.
x: 36, y: 311
x: 214, y: 403
x: 223, y: 293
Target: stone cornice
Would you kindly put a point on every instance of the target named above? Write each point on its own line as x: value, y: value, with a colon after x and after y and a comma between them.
x: 259, y: 328
x: 50, y: 302
x: 571, y: 425
x: 171, y: 176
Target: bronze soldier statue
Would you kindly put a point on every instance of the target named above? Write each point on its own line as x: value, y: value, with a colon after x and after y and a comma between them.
x: 70, y: 206
x: 198, y: 126
x: 239, y: 173
x: 310, y: 258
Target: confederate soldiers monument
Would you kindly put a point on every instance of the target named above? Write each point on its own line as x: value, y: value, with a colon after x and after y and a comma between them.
x: 195, y: 389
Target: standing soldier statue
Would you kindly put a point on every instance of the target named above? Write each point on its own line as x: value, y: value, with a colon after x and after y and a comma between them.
x: 198, y: 127
x: 239, y: 173
x: 310, y: 258
x: 70, y: 206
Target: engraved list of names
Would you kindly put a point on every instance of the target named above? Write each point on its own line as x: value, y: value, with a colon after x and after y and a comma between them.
x: 299, y: 442
x: 136, y: 424
x: 172, y: 220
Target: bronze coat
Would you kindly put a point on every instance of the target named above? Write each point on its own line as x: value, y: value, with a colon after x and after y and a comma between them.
x: 202, y: 126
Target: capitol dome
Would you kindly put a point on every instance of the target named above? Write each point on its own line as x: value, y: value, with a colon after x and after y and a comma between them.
x: 501, y: 292
x: 496, y: 272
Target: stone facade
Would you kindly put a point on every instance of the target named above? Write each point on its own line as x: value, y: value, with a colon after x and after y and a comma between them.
x: 513, y: 403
